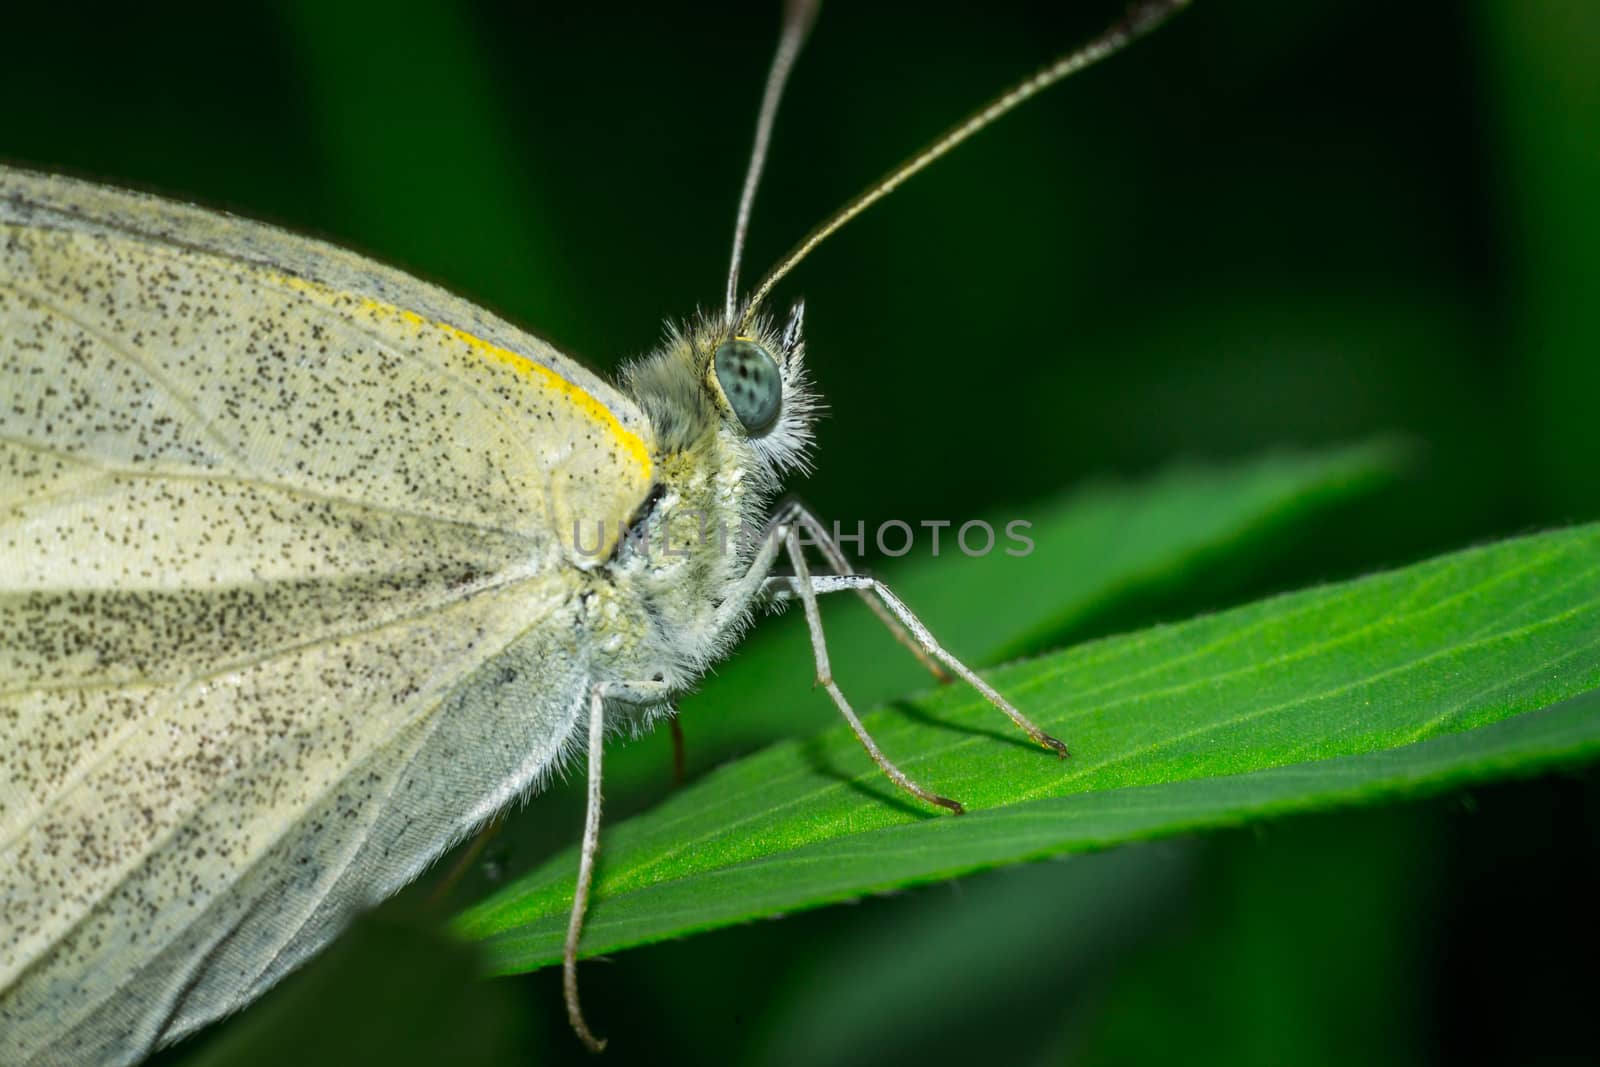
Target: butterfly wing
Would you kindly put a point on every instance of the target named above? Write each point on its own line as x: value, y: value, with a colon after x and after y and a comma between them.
x: 281, y: 602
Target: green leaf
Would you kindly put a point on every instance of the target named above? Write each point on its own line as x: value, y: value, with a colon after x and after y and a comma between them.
x: 1392, y: 685
x: 1111, y: 549
x: 1094, y: 548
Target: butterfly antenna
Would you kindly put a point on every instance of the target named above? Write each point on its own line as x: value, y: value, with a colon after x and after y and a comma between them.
x: 1140, y: 18
x: 798, y: 15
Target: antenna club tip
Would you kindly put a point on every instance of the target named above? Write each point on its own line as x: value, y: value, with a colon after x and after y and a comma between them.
x: 800, y: 14
x: 1144, y: 15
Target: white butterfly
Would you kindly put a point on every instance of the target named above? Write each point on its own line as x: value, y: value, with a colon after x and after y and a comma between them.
x: 307, y: 568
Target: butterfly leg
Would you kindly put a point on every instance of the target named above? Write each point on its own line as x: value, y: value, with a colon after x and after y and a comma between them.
x: 644, y: 692
x: 791, y: 515
x: 802, y: 584
x: 808, y: 588
x: 824, y: 542
x: 680, y: 757
x: 440, y: 895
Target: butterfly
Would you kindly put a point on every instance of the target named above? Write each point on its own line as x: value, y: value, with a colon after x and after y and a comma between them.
x: 310, y: 568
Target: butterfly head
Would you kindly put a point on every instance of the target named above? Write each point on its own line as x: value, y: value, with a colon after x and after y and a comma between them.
x: 730, y: 393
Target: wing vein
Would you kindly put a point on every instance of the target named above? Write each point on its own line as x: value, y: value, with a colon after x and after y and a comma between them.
x: 157, y: 377
x: 258, y: 482
x: 276, y: 281
x: 424, y: 712
x: 85, y: 478
x: 180, y: 686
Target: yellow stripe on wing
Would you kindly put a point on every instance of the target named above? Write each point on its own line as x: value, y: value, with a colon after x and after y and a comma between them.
x: 575, y: 395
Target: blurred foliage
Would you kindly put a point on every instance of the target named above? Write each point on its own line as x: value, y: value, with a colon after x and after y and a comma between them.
x: 1271, y: 225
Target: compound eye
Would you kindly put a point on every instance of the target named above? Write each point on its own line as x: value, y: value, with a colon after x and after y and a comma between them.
x: 751, y: 381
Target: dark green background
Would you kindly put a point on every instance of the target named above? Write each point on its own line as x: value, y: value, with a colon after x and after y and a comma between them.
x: 1272, y: 224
